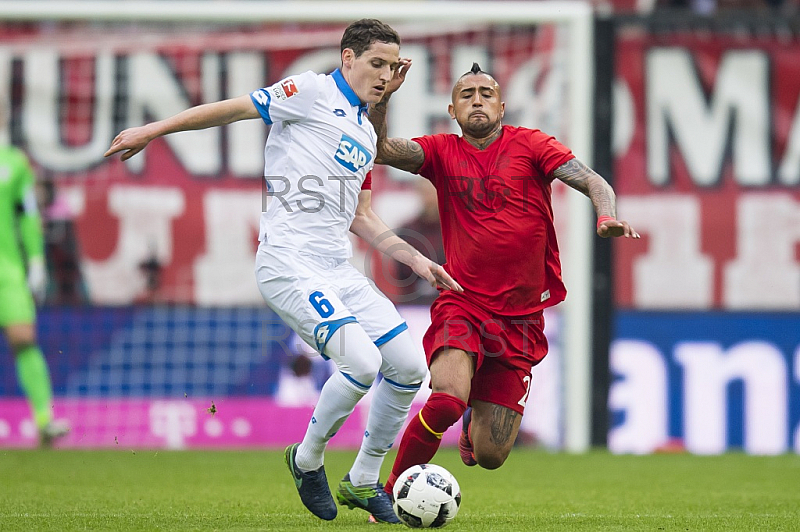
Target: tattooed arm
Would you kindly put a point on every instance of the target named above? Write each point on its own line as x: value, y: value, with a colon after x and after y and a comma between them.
x: 401, y: 153
x: 585, y: 180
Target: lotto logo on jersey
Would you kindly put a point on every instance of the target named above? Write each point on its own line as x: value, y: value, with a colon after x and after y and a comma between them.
x: 261, y: 97
x: 321, y: 335
x: 351, y: 154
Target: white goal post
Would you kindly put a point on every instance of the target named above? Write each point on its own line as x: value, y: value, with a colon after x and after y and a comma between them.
x: 577, y: 15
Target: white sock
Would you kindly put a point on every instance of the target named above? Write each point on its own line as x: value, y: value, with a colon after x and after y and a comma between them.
x: 336, y: 402
x: 387, y: 413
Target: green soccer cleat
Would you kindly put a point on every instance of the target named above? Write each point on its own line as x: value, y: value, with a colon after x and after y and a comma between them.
x: 370, y: 498
x: 312, y: 486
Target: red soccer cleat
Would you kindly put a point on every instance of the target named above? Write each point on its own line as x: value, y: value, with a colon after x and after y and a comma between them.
x: 465, y: 441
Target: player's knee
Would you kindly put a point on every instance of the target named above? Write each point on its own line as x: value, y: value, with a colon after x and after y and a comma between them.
x: 354, y: 353
x: 491, y: 459
x: 459, y: 390
x: 418, y: 374
x: 365, y: 371
x: 404, y: 363
x: 411, y: 371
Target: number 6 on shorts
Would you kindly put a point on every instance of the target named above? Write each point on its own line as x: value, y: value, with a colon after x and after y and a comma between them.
x: 320, y: 304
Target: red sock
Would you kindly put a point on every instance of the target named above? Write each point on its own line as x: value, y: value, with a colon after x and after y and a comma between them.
x: 419, y: 443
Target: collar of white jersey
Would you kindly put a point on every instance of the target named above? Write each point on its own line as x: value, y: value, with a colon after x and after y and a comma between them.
x: 349, y: 93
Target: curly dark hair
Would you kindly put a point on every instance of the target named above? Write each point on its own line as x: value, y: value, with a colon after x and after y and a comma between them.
x: 361, y: 34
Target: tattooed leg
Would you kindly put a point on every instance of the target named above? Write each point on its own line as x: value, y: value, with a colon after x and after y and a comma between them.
x: 494, y: 430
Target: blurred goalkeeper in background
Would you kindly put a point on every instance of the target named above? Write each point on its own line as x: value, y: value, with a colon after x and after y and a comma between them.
x: 23, y: 277
x: 493, y: 184
x: 318, y: 158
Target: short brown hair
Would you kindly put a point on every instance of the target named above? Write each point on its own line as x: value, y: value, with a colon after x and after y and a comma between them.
x: 361, y: 34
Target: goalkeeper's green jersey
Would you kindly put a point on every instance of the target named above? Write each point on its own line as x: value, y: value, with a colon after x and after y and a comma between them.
x: 20, y: 229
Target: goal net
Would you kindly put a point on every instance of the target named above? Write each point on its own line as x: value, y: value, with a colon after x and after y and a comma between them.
x: 160, y: 248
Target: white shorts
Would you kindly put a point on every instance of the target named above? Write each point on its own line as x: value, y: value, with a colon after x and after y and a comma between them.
x: 316, y: 295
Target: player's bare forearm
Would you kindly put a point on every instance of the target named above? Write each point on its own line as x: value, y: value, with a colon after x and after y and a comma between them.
x: 585, y: 180
x: 369, y: 226
x: 377, y: 112
x: 403, y: 154
x: 377, y: 116
x: 133, y: 140
x: 400, y: 153
x: 210, y: 115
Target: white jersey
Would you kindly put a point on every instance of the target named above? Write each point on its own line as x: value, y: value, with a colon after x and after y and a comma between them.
x: 318, y: 153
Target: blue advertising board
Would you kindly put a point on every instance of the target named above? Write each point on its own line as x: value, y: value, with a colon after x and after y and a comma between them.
x: 707, y: 382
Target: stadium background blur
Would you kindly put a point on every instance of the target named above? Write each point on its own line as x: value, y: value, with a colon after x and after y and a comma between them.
x: 157, y: 337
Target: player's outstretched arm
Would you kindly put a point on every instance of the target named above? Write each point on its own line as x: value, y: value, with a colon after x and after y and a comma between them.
x: 401, y: 153
x: 583, y: 179
x: 371, y: 228
x: 133, y: 140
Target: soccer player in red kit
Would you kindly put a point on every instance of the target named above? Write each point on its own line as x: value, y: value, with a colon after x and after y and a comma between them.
x: 493, y: 184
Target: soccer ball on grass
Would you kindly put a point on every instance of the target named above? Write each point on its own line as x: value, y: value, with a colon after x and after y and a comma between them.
x: 426, y: 496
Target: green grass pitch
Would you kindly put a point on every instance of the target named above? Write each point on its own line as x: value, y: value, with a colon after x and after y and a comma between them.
x: 252, y: 490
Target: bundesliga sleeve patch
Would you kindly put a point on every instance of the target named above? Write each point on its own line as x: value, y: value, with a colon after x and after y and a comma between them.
x: 285, y: 89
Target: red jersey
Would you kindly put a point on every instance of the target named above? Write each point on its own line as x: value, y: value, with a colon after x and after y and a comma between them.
x: 497, y: 217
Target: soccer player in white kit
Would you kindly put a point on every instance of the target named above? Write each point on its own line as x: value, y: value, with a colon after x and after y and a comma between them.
x: 318, y: 158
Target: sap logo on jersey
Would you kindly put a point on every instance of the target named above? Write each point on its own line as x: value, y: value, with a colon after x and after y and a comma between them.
x: 351, y: 154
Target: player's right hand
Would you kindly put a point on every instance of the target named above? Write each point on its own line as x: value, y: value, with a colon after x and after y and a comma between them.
x: 616, y: 228
x: 398, y: 77
x: 131, y: 141
x: 434, y: 273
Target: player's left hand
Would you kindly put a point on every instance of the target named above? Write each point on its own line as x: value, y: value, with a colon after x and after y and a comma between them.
x: 615, y: 228
x: 37, y: 279
x: 434, y: 273
x: 130, y: 142
x: 399, y: 77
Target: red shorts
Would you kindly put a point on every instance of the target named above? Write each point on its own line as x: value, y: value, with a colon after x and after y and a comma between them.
x: 505, y: 347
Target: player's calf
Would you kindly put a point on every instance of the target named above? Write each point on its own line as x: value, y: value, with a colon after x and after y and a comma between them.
x: 493, y: 430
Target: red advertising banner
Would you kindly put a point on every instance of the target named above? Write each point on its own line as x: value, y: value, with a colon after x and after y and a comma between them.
x: 179, y: 221
x: 707, y: 168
